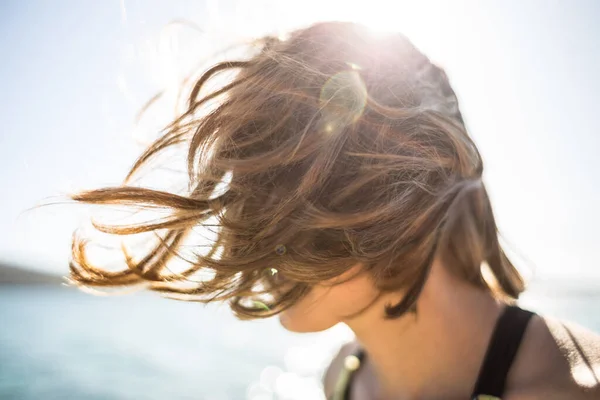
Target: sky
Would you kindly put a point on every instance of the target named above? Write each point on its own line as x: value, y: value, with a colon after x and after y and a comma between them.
x: 75, y: 73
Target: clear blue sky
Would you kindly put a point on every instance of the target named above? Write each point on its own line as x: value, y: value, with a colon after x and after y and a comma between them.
x: 75, y: 72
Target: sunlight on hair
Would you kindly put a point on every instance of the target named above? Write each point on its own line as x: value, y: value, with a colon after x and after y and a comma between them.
x: 182, y: 49
x: 173, y: 55
x: 343, y: 98
x: 488, y: 275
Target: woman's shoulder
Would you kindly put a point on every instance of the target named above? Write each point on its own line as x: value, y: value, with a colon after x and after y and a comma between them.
x: 558, y: 358
x: 580, y: 348
x: 332, y: 373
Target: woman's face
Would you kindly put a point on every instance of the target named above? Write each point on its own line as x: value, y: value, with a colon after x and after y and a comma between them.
x: 327, y: 304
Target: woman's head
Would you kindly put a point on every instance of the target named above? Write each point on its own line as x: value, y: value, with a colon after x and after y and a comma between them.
x: 330, y: 158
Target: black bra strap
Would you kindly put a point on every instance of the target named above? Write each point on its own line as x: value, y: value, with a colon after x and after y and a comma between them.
x: 501, y: 351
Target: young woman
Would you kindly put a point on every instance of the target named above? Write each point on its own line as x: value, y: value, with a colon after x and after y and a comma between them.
x: 341, y: 184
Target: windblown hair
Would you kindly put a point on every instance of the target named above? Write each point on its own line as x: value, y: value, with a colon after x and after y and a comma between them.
x: 332, y: 148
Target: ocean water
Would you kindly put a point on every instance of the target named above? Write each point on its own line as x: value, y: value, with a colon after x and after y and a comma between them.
x: 59, y: 343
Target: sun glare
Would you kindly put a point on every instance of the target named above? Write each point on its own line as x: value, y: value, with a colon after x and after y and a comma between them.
x: 256, y: 18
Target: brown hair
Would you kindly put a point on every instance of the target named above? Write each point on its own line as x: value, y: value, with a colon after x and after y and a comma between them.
x: 332, y: 148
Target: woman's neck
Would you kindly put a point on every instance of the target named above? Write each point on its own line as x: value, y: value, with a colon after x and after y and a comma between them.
x: 435, y: 353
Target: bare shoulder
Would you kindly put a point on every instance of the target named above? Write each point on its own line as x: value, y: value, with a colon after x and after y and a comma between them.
x: 580, y: 348
x: 557, y: 360
x: 332, y: 372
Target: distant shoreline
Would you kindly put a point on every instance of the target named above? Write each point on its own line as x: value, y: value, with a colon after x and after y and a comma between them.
x: 11, y: 275
x: 549, y: 286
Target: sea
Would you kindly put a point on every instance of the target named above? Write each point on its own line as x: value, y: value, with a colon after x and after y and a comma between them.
x: 61, y: 343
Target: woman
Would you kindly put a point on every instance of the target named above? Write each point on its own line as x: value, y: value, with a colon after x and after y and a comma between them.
x: 342, y: 186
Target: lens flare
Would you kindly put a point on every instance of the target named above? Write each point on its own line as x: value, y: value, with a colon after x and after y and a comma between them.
x: 343, y: 98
